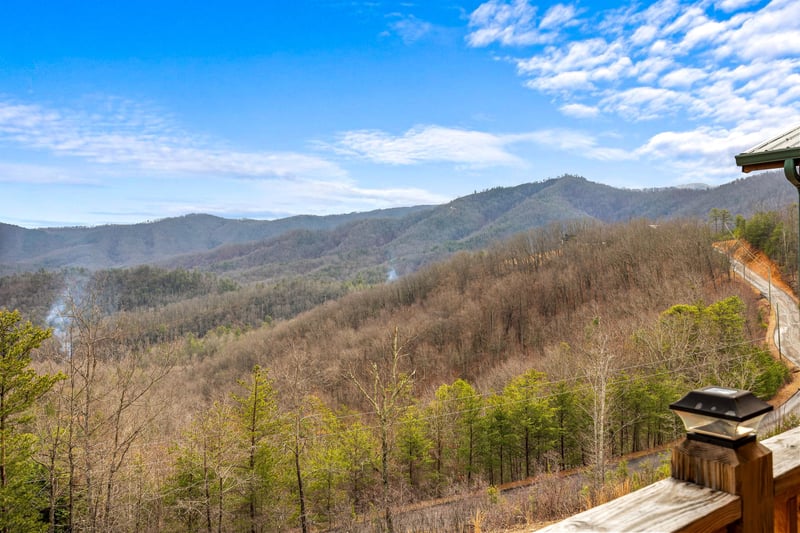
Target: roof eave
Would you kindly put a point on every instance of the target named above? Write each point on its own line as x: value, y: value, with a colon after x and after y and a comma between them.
x: 766, y: 160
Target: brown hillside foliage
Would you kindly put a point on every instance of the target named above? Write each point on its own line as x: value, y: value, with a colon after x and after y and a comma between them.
x: 337, y: 419
x: 489, y: 315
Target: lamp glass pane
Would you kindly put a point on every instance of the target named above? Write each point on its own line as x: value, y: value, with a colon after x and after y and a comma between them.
x: 726, y: 429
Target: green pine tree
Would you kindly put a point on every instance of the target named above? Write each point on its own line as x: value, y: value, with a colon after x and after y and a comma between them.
x: 20, y: 388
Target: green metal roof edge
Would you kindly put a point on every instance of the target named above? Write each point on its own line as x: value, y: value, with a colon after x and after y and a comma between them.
x: 775, y: 156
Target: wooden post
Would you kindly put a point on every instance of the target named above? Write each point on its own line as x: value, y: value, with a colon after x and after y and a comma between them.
x: 786, y: 515
x: 745, y: 471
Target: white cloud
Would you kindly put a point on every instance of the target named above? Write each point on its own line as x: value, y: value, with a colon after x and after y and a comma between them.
x: 697, y: 152
x: 620, y: 68
x: 688, y: 18
x: 643, y: 35
x: 558, y: 16
x: 733, y: 5
x: 650, y: 70
x: 782, y: 43
x: 41, y: 174
x: 509, y: 24
x: 411, y: 29
x: 645, y: 103
x: 575, y: 143
x: 434, y: 144
x: 661, y: 12
x: 130, y: 144
x: 328, y: 197
x: 563, y: 81
x: 763, y: 34
x: 661, y: 47
x: 701, y: 141
x: 576, y: 67
x: 724, y: 70
x: 682, y: 77
x: 279, y: 198
x: 579, y: 110
x: 586, y: 55
x: 705, y: 33
x: 285, y: 197
x: 129, y: 135
x: 474, y: 149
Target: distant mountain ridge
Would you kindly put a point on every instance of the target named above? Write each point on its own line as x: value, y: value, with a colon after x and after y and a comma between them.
x: 111, y: 246
x: 375, y: 242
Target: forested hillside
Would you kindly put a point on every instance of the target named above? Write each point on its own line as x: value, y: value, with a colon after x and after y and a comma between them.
x: 151, y: 242
x: 372, y: 244
x: 555, y: 349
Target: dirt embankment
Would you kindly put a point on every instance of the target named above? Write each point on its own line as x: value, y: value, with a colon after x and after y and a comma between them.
x: 755, y: 261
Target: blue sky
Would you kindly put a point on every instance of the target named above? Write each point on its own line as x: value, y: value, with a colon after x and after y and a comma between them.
x: 123, y: 112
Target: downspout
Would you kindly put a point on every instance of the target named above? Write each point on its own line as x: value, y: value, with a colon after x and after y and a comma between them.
x: 790, y: 171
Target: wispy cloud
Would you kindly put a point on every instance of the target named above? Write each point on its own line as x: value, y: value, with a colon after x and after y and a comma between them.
x: 683, y: 77
x: 411, y: 29
x: 729, y: 70
x: 697, y: 153
x: 575, y: 143
x: 733, y: 5
x: 645, y: 103
x: 428, y: 144
x: 509, y: 24
x: 593, y: 60
x: 41, y: 174
x: 516, y: 23
x: 123, y: 133
x: 579, y: 110
x: 288, y: 197
x: 130, y: 143
x: 763, y: 35
x: 469, y: 148
x: 559, y: 16
x: 330, y: 197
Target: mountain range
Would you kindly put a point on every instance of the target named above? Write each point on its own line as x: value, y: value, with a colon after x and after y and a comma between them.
x: 373, y: 244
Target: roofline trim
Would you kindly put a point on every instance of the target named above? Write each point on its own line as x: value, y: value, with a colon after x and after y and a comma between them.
x: 766, y: 160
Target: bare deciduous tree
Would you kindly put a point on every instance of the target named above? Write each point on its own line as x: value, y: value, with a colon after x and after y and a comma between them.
x: 388, y: 392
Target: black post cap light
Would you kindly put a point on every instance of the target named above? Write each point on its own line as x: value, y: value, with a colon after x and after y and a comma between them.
x: 719, y: 415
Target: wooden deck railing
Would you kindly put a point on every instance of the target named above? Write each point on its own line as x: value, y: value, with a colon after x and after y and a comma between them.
x: 786, y: 474
x: 672, y: 505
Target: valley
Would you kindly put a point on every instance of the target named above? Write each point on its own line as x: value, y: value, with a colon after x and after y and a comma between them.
x: 187, y: 398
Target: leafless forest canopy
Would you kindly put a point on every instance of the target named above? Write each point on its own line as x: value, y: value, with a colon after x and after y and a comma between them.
x: 555, y: 349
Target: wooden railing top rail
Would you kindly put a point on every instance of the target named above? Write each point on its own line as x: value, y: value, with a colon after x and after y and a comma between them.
x: 671, y: 505
x: 667, y: 505
x: 785, y: 461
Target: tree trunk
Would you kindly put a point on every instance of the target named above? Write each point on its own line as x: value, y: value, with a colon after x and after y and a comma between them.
x: 3, y: 509
x: 527, y: 453
x: 206, y: 487
x: 387, y: 509
x: 300, y: 494
x: 469, y: 461
x: 252, y: 458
